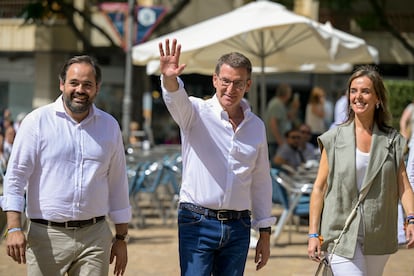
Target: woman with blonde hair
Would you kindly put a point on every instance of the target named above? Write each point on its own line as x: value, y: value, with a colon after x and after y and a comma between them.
x: 315, y: 113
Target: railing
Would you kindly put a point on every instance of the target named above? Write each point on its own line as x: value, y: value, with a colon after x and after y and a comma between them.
x: 154, y: 176
x: 12, y: 8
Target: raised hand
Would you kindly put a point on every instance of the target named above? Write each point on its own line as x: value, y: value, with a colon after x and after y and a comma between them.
x: 169, y: 59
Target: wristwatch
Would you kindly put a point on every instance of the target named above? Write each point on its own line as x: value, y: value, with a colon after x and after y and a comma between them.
x: 266, y: 229
x: 122, y: 237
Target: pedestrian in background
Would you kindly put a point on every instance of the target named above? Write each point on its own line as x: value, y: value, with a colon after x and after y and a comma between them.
x: 226, y: 172
x: 315, y: 113
x: 365, y: 154
x: 340, y: 110
x: 68, y: 168
x: 279, y: 117
x: 309, y: 151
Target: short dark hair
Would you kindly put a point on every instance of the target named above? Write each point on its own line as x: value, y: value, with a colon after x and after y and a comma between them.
x: 81, y: 59
x: 293, y: 129
x: 235, y: 60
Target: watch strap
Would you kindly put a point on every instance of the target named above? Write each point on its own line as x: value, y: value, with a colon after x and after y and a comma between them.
x: 120, y: 237
x: 266, y: 229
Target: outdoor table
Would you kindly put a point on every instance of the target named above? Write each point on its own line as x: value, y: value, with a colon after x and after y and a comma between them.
x: 296, y: 185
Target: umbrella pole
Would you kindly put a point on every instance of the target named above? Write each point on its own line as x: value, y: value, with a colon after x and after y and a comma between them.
x: 263, y: 98
x: 127, y: 99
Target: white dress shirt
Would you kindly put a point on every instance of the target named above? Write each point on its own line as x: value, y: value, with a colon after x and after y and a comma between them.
x: 222, y: 168
x: 68, y: 170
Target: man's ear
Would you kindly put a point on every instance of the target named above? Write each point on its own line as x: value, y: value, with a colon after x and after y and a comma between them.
x: 248, y: 85
x: 61, y: 85
x: 215, y: 79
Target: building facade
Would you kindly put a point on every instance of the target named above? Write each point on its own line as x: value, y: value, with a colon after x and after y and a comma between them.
x: 31, y: 55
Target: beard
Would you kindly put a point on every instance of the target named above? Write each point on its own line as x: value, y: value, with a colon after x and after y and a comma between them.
x: 77, y: 107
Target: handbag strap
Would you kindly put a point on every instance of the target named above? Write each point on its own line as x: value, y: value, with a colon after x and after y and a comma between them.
x: 362, y: 196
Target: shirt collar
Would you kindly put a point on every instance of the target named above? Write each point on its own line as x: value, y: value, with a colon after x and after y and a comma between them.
x: 218, y: 109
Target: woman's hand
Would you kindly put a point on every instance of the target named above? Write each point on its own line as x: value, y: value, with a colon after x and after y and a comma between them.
x: 409, y: 234
x: 314, y: 249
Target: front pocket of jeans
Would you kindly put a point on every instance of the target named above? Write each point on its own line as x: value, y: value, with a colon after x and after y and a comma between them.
x: 186, y: 217
x: 246, y: 222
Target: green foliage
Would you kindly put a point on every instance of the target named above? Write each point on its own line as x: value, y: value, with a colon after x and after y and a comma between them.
x: 368, y: 21
x: 400, y: 93
x: 34, y: 12
x: 338, y: 5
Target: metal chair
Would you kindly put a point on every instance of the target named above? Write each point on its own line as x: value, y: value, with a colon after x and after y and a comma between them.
x: 160, y: 180
x: 291, y: 196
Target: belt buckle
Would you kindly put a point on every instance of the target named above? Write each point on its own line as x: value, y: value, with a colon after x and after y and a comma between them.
x: 70, y: 227
x: 220, y: 215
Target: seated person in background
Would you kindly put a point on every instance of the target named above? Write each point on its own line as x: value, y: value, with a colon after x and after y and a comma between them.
x: 309, y: 151
x: 288, y: 156
x: 134, y: 138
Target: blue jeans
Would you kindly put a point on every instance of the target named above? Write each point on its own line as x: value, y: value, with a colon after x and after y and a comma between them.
x: 208, y: 246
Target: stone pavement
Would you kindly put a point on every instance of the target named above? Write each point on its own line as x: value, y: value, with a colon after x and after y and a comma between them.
x: 153, y: 251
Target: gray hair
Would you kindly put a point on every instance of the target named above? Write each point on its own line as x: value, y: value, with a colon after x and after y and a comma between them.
x: 235, y: 60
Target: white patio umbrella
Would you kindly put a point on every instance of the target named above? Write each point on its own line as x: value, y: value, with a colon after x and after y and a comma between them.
x: 272, y: 37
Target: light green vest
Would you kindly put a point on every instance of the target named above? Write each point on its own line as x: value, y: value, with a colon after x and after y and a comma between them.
x: 378, y: 212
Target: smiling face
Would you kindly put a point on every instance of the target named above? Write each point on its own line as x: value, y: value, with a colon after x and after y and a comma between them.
x: 362, y: 96
x: 79, y: 90
x: 231, y: 84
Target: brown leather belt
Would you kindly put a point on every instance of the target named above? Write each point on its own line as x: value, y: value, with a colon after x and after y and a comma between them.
x: 73, y: 224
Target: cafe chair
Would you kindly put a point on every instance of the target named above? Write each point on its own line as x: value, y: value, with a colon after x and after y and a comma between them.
x: 291, y: 196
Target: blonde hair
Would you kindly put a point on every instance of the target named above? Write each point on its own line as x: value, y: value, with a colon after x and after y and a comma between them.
x: 316, y: 94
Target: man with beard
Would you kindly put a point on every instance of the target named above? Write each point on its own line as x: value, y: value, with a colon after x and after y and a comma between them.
x: 289, y: 154
x: 67, y: 167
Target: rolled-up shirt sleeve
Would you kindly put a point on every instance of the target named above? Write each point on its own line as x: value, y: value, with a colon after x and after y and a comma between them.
x: 262, y: 192
x: 119, y: 207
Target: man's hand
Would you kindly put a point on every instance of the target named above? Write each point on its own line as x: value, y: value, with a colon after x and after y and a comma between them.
x: 170, y: 58
x: 16, y: 246
x: 119, y: 251
x: 262, y: 250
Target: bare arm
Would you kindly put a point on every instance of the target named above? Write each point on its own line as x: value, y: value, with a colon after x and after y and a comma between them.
x: 16, y: 241
x: 316, y: 205
x: 407, y: 201
x: 318, y: 110
x: 262, y: 250
x: 293, y: 110
x: 119, y: 250
x: 169, y: 64
x: 278, y: 160
x: 274, y: 128
x: 404, y: 121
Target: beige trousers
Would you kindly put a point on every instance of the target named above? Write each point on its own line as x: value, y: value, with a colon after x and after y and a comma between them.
x: 57, y: 251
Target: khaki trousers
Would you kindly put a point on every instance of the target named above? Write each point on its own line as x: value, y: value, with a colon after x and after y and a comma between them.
x: 57, y: 251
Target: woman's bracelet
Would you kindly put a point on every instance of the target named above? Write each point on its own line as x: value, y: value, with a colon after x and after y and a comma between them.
x: 409, y: 217
x: 316, y: 235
